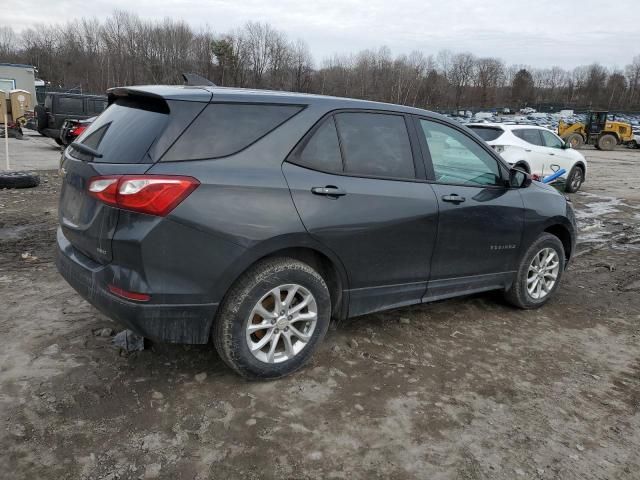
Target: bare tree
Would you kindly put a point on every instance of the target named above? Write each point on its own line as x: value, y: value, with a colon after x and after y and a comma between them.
x: 94, y: 55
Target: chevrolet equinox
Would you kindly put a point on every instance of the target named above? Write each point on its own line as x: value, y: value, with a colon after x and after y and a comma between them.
x: 251, y: 218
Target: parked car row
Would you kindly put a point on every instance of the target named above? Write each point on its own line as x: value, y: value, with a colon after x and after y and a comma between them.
x: 546, y: 120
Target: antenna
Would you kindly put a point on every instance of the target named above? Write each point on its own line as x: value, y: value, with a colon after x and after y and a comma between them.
x: 195, y: 80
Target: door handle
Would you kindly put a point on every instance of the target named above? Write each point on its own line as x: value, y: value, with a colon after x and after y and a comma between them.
x: 551, y: 153
x: 329, y: 191
x: 453, y: 198
x: 527, y: 149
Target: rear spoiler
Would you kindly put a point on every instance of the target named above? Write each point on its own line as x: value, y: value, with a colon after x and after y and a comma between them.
x: 159, y: 94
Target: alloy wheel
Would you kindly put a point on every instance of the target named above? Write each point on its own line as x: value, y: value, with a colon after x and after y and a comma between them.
x: 281, y: 323
x: 576, y: 180
x: 543, y: 273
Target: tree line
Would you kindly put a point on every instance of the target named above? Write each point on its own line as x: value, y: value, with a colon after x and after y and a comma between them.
x: 124, y: 49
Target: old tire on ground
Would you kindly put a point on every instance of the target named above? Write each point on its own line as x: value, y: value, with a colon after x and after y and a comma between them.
x: 575, y: 140
x: 607, y: 142
x: 574, y: 179
x: 534, y: 272
x: 272, y: 319
x: 19, y: 180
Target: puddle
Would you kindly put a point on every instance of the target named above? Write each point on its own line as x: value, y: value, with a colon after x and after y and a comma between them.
x: 604, y: 206
x: 592, y: 215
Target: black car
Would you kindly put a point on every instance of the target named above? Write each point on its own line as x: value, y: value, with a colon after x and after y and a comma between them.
x: 59, y: 107
x: 72, y: 129
x: 251, y: 218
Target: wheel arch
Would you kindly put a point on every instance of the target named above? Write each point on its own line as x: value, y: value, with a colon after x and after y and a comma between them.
x: 564, y: 235
x: 583, y: 166
x: 304, y: 248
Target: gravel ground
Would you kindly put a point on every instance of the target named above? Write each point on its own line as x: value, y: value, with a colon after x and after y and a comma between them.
x: 32, y: 152
x: 460, y: 389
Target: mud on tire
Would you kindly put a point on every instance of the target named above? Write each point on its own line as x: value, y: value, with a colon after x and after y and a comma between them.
x: 231, y: 322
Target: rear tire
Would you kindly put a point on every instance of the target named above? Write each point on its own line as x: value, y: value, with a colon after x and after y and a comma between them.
x: 58, y: 141
x: 574, y: 179
x: 249, y: 315
x: 575, y: 140
x: 19, y: 180
x: 41, y: 118
x: 519, y: 293
x: 607, y: 142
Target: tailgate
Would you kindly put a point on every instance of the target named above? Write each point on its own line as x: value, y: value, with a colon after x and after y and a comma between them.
x: 87, y: 223
x: 116, y: 143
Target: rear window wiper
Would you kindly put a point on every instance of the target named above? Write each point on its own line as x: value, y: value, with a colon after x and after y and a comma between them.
x: 88, y: 150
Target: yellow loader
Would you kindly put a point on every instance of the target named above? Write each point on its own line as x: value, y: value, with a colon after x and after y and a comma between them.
x: 598, y: 130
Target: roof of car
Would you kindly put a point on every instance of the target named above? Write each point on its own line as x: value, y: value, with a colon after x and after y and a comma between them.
x: 205, y: 93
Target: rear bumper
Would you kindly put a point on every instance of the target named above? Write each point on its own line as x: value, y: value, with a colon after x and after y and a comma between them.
x: 174, y: 323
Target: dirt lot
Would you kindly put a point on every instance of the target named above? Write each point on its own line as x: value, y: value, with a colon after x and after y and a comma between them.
x: 461, y: 389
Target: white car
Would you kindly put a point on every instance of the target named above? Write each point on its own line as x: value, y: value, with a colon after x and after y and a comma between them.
x: 537, y: 150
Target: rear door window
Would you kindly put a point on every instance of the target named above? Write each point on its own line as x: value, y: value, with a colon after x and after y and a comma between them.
x: 122, y: 134
x: 529, y: 135
x: 375, y: 144
x: 223, y: 129
x: 322, y: 151
x: 487, y: 133
x: 550, y: 140
x: 73, y: 105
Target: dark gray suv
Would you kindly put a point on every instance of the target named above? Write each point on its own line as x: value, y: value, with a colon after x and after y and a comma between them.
x: 251, y: 218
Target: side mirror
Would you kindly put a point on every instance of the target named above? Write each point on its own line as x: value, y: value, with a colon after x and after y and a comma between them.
x: 519, y: 178
x: 566, y: 145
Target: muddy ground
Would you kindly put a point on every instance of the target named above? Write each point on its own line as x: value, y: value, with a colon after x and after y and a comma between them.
x: 461, y: 389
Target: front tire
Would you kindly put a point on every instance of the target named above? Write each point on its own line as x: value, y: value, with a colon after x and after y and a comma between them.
x: 539, y: 273
x: 272, y: 319
x: 574, y: 180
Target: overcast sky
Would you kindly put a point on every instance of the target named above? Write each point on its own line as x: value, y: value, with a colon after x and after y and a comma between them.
x: 534, y: 32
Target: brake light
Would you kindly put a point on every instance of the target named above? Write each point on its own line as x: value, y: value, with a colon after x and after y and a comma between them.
x: 77, y: 130
x: 150, y: 194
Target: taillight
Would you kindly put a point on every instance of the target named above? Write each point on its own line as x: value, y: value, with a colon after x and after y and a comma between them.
x: 77, y: 130
x: 150, y: 194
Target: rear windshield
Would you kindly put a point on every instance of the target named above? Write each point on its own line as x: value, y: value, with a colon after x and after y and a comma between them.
x: 223, y: 129
x: 123, y: 133
x: 487, y: 133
